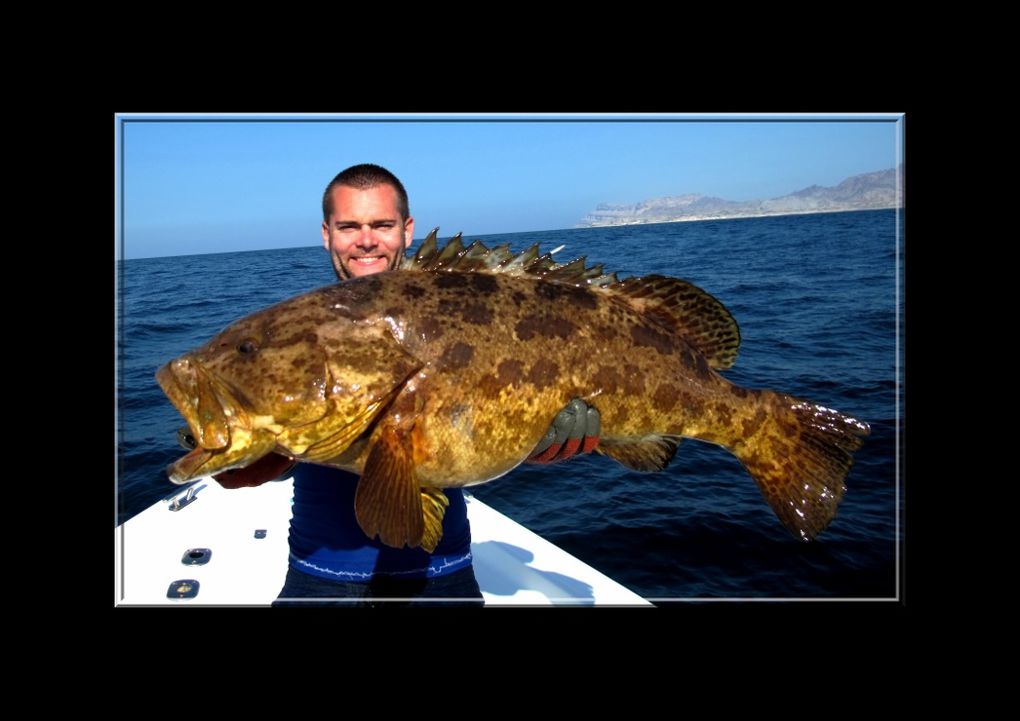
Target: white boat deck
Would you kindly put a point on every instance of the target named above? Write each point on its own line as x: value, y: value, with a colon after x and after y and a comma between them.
x: 513, y: 565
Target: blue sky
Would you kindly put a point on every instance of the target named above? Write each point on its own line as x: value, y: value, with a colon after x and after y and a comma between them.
x: 209, y: 184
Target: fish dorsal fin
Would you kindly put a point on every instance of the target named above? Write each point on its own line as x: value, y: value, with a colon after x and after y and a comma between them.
x: 679, y: 305
x: 477, y: 257
x: 426, y: 253
x: 689, y: 311
x: 650, y: 453
x: 449, y: 255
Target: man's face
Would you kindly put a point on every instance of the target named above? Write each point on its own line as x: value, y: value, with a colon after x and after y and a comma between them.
x: 364, y: 234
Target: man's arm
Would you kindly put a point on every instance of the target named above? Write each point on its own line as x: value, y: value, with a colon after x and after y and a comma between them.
x: 268, y: 468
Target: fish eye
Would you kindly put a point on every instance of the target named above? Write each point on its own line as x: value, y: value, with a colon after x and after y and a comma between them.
x: 247, y: 347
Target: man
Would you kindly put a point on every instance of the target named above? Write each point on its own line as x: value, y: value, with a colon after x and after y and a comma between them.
x: 366, y: 229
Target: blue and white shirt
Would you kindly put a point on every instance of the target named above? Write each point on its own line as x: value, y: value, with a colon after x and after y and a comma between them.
x: 326, y: 540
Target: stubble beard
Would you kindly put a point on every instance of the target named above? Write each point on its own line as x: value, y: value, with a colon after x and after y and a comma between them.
x: 344, y: 273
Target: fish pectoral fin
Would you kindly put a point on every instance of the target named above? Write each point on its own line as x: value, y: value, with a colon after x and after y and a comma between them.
x: 388, y: 501
x: 433, y: 504
x: 650, y: 453
x: 343, y: 424
x: 339, y: 441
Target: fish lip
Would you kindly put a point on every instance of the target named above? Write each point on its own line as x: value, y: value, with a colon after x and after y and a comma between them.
x: 176, y: 389
x: 184, y: 469
x: 178, y: 394
x: 183, y: 380
x: 197, y: 396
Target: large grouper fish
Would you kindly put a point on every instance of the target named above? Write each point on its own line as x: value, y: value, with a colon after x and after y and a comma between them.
x: 448, y: 372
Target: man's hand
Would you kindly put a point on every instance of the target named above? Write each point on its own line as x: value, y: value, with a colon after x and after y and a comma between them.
x: 267, y: 468
x: 575, y: 430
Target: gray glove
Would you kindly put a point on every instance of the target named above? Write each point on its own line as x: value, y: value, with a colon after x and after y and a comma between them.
x: 575, y: 430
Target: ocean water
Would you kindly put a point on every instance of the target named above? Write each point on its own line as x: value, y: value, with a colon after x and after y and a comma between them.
x: 815, y: 298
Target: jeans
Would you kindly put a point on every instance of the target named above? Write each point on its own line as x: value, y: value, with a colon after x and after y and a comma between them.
x: 459, y: 588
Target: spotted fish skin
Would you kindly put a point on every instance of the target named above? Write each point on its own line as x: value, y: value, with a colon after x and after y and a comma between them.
x: 441, y: 375
x: 501, y: 355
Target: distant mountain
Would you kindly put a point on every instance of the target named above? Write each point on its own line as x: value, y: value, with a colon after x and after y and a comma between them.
x: 869, y: 191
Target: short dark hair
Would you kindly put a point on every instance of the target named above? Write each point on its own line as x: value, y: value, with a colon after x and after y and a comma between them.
x: 363, y: 177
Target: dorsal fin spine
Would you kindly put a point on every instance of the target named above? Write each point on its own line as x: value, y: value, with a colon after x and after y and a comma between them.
x: 676, y: 304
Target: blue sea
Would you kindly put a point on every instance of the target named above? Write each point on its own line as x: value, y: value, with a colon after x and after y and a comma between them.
x: 816, y: 300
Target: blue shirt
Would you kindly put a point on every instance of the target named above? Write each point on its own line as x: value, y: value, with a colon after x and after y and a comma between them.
x: 326, y: 540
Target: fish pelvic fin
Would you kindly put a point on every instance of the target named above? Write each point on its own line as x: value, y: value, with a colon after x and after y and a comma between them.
x: 433, y: 505
x: 388, y: 500
x: 649, y: 453
x: 688, y: 311
x: 800, y: 458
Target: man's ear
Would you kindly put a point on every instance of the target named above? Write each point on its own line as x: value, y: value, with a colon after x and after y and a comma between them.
x: 408, y: 232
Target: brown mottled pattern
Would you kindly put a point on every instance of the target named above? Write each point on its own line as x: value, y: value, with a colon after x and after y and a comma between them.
x: 692, y: 404
x: 633, y: 379
x: 528, y: 327
x: 605, y: 333
x: 556, y: 292
x: 664, y: 397
x: 451, y: 280
x: 349, y: 299
x: 723, y: 413
x: 543, y: 373
x: 511, y: 372
x: 477, y: 313
x: 483, y: 283
x: 643, y: 334
x: 544, y: 325
x: 449, y: 307
x: 509, y: 347
x: 429, y: 329
x: 490, y: 386
x: 751, y: 425
x: 487, y: 361
x: 607, y: 378
x: 456, y: 356
x: 537, y: 351
x: 413, y: 292
x: 687, y: 311
x: 701, y: 367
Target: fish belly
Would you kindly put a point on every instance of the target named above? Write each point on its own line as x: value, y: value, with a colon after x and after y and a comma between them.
x: 498, y: 369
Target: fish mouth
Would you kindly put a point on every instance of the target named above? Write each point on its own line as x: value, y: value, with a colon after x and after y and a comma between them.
x: 188, y: 467
x: 201, y: 462
x: 191, y: 391
x: 215, y: 420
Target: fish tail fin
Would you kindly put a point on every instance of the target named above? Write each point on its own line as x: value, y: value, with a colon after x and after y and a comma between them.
x: 799, y: 458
